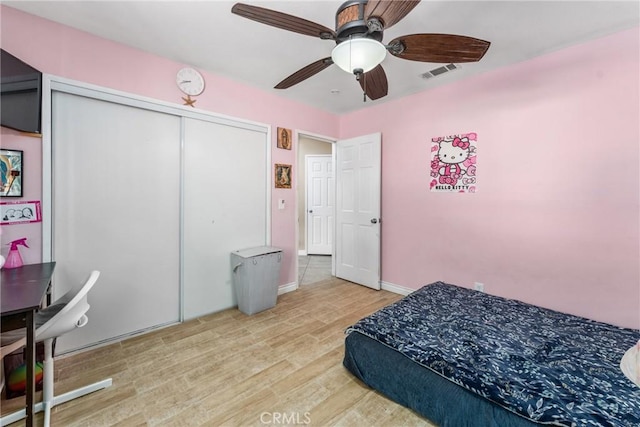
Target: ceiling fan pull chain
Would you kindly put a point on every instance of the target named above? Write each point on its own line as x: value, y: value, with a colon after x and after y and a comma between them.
x: 364, y: 89
x: 360, y: 75
x: 364, y: 93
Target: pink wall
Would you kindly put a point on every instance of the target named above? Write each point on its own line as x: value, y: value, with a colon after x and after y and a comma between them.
x: 555, y: 220
x: 66, y: 52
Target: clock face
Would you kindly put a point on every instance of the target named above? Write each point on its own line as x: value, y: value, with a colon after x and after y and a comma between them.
x: 190, y: 81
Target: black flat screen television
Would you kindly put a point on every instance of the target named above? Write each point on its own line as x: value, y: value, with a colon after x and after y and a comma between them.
x: 20, y: 94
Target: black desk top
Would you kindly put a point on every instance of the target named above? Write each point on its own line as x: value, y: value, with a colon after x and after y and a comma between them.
x: 22, y: 288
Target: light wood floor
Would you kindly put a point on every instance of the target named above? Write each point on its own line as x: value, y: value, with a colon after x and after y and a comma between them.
x: 232, y: 369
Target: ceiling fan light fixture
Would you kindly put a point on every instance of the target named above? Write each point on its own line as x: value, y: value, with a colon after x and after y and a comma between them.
x: 358, y: 53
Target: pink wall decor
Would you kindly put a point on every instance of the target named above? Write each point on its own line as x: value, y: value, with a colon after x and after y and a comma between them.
x: 284, y: 138
x: 453, y: 163
x: 19, y: 212
x: 282, y: 176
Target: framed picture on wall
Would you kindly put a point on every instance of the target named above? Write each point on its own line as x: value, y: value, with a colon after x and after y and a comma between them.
x: 10, y: 173
x: 453, y: 163
x: 284, y: 138
x: 20, y: 212
x: 282, y: 176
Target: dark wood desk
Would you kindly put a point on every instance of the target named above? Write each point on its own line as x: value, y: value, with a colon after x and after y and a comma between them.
x: 22, y: 291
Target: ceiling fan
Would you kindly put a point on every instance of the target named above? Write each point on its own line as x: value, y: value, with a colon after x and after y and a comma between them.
x: 358, y: 35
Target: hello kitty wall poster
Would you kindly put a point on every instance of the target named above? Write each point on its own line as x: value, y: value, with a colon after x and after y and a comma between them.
x: 453, y: 163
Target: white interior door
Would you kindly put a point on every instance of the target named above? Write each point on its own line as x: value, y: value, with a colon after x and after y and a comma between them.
x: 225, y: 209
x: 358, y: 177
x: 320, y: 204
x: 116, y: 208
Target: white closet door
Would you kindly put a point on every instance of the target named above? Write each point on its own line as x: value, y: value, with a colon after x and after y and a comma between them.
x: 116, y: 205
x: 225, y: 209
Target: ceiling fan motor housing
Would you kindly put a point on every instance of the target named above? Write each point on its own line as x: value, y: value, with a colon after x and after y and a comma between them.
x: 351, y: 22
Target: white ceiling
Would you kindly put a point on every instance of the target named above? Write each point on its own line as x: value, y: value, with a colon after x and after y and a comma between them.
x: 206, y: 35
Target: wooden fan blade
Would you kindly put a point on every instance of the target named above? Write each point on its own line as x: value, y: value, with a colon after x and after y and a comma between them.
x: 304, y: 73
x: 389, y: 12
x: 282, y: 20
x: 374, y: 83
x: 439, y: 48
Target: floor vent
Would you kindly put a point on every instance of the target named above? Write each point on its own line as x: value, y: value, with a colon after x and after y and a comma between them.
x: 440, y: 70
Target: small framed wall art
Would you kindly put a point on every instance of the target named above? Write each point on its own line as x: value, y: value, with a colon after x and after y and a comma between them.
x: 284, y: 138
x: 282, y: 175
x: 453, y: 163
x: 20, y: 212
x: 10, y: 173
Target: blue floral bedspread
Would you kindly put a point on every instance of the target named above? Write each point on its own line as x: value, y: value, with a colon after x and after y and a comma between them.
x: 549, y: 367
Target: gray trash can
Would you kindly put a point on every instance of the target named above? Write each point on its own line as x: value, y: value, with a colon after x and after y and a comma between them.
x: 255, y: 273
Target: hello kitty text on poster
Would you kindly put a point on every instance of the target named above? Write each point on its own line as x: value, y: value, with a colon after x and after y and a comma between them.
x: 453, y: 163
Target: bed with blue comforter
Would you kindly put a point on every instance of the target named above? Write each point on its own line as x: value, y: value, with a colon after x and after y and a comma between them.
x: 465, y: 358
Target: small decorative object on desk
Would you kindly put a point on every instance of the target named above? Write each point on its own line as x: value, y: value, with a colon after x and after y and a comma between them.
x: 630, y: 364
x: 14, y: 260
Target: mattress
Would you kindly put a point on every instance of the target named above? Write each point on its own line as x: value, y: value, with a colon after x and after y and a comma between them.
x: 529, y: 364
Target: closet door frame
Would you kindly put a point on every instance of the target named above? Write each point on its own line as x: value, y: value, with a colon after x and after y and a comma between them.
x: 52, y: 83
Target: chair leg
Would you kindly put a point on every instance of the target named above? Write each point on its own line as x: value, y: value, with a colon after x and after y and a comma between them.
x: 47, y: 381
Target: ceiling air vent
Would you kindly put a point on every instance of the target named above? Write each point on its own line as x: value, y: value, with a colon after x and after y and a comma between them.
x: 440, y: 70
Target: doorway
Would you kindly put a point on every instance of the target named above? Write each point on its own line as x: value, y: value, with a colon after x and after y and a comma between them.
x: 356, y: 236
x: 312, y: 267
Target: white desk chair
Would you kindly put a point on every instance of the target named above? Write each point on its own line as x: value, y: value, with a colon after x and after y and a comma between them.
x: 63, y: 316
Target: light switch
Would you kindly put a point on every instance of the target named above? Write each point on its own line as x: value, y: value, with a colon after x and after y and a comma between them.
x: 280, y: 204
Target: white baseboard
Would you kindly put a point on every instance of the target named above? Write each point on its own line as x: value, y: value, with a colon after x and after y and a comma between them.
x: 289, y: 287
x: 302, y: 252
x: 396, y: 289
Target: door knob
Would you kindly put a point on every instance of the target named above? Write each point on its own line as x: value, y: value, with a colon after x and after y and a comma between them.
x: 374, y: 220
x: 310, y: 211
